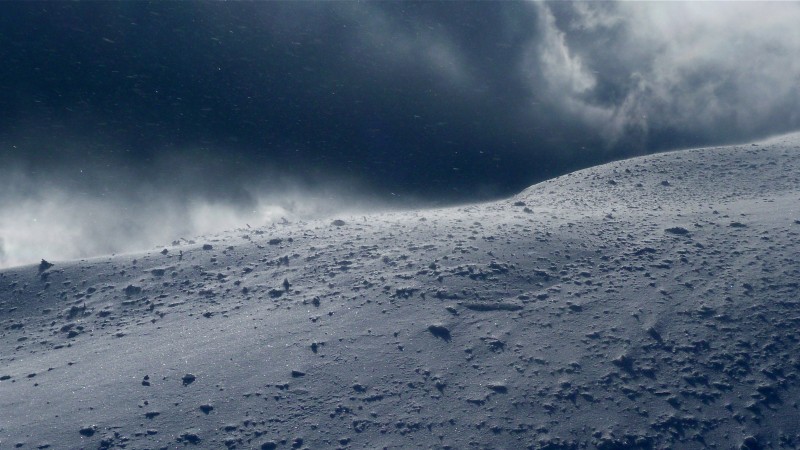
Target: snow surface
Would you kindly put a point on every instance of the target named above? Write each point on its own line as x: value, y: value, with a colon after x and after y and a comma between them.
x: 647, y: 303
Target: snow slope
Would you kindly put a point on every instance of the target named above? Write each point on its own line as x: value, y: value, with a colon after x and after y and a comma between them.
x: 647, y: 303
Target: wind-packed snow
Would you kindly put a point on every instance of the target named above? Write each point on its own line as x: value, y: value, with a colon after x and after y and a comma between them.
x: 646, y: 303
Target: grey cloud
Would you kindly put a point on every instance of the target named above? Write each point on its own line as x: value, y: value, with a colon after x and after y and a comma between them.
x: 658, y: 74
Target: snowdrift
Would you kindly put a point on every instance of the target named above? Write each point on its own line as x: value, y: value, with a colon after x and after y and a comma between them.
x: 646, y: 303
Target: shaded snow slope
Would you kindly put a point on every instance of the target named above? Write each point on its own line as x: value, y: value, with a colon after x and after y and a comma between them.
x: 647, y: 303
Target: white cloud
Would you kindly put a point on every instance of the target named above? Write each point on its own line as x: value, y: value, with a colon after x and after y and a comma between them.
x: 564, y: 72
x: 701, y: 68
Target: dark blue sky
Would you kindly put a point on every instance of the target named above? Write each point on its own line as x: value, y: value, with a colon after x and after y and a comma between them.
x: 436, y: 101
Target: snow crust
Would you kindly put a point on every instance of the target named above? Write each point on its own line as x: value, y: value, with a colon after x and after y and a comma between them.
x: 646, y: 303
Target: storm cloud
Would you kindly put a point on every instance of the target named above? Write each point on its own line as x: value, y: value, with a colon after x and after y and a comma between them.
x: 125, y: 120
x: 659, y: 75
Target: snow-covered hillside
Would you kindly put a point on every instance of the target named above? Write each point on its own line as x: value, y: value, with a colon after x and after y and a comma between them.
x: 647, y: 303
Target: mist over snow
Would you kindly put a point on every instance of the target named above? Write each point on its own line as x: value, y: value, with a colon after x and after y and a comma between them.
x: 127, y: 125
x: 42, y: 220
x: 59, y: 226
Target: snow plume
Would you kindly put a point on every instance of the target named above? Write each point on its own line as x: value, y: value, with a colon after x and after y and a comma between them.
x: 42, y: 218
x: 657, y: 74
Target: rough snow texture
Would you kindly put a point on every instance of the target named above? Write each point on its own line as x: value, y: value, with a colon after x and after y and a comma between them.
x: 647, y: 303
